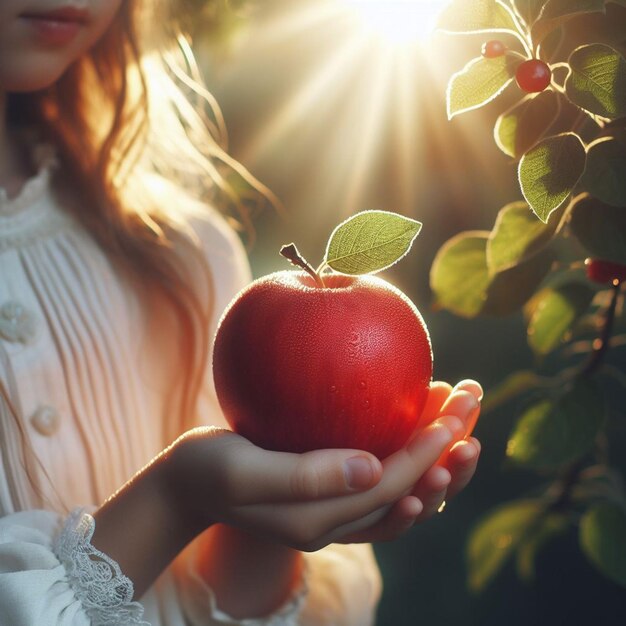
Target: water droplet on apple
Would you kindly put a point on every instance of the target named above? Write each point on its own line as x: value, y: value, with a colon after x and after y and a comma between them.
x: 333, y: 389
x: 362, y: 384
x: 366, y: 404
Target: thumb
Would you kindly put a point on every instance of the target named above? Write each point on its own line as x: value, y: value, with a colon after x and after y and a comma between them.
x: 266, y: 476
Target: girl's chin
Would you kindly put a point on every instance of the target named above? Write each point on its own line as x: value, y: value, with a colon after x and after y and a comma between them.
x: 26, y: 78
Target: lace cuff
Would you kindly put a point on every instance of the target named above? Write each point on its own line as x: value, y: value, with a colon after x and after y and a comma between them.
x: 287, y: 615
x: 95, y: 578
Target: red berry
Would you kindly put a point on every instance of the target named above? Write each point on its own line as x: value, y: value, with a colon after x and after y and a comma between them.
x: 533, y: 75
x: 492, y: 49
x: 605, y: 271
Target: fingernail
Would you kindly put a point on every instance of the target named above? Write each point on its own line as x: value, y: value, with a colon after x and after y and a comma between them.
x: 359, y: 472
x: 472, y: 386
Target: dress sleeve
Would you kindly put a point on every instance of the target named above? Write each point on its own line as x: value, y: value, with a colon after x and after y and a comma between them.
x: 51, y: 574
x: 341, y: 584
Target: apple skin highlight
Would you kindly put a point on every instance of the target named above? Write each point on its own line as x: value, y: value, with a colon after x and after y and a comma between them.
x: 298, y: 367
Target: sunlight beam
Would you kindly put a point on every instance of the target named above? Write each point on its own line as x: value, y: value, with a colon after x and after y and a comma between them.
x: 306, y: 98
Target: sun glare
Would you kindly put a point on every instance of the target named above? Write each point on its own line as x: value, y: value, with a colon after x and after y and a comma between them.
x: 357, y: 72
x: 397, y: 22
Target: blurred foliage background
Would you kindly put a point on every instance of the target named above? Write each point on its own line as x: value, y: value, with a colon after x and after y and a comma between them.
x: 332, y: 130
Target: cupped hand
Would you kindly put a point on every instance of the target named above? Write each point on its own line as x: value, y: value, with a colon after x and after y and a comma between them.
x: 309, y: 500
x: 452, y: 472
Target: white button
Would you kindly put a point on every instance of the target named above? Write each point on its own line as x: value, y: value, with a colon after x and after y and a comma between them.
x: 46, y: 420
x: 17, y: 324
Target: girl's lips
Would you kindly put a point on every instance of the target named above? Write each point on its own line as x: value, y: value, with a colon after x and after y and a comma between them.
x: 62, y: 14
x: 57, y: 27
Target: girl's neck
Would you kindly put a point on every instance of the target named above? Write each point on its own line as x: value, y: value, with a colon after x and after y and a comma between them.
x: 15, y: 168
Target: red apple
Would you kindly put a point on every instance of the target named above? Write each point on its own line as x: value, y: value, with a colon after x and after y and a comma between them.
x: 299, y: 366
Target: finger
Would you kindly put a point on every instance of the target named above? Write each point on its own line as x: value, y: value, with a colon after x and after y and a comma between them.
x: 477, y: 391
x: 460, y: 403
x: 462, y: 463
x: 317, y: 521
x: 472, y: 386
x: 262, y: 476
x: 438, y: 393
x: 464, y: 405
x: 399, y: 519
x: 401, y: 471
x: 432, y: 490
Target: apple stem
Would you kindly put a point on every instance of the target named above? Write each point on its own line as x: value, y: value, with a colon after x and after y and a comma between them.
x: 291, y: 253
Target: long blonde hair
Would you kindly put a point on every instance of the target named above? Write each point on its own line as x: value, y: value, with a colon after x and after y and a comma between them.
x: 128, y: 116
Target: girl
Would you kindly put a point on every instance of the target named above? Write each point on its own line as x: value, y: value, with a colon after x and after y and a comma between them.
x: 123, y: 497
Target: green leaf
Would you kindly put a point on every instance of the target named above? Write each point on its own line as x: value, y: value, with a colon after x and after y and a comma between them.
x: 509, y: 289
x: 603, y: 540
x: 459, y: 276
x: 512, y: 386
x: 553, y: 432
x: 551, y: 44
x: 557, y: 12
x: 475, y: 16
x: 555, y: 311
x: 560, y: 8
x: 479, y: 82
x: 605, y: 175
x: 462, y: 282
x: 517, y: 235
x: 496, y: 536
x: 601, y: 229
x: 529, y: 10
x: 551, y: 525
x: 597, y: 80
x: 519, y: 128
x: 549, y: 172
x: 370, y: 241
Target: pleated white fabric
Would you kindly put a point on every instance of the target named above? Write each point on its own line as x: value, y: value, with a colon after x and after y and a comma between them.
x: 85, y: 374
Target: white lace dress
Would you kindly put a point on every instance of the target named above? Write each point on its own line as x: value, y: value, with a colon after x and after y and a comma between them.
x: 85, y: 376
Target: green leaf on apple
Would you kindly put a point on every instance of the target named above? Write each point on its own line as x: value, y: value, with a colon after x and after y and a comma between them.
x: 519, y: 128
x: 552, y: 432
x: 475, y: 16
x: 370, y: 241
x: 597, y: 80
x: 496, y: 537
x: 605, y: 175
x: 555, y: 310
x: 603, y: 539
x: 479, y: 82
x: 600, y: 228
x: 549, y: 172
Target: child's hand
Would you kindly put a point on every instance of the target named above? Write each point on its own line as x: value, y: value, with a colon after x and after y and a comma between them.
x: 452, y: 472
x: 307, y: 501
